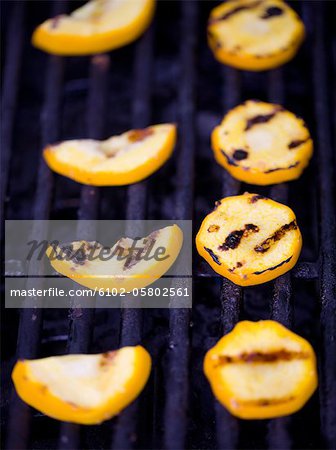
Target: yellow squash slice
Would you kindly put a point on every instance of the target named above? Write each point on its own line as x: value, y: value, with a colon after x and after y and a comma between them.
x: 98, y: 26
x: 261, y: 370
x: 250, y: 239
x: 119, y: 160
x: 262, y: 143
x: 254, y: 34
x: 85, y: 389
x: 129, y: 264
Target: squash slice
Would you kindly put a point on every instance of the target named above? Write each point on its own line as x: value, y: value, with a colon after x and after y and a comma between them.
x: 262, y: 143
x: 85, y: 389
x: 261, y: 370
x: 254, y: 34
x: 250, y: 239
x: 98, y: 26
x: 129, y: 264
x: 119, y: 160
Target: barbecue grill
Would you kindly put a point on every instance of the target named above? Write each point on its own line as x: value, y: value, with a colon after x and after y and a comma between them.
x: 169, y: 75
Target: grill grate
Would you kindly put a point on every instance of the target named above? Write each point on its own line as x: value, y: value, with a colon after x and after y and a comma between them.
x: 174, y: 400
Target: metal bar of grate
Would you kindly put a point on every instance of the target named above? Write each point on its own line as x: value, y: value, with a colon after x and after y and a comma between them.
x: 82, y: 317
x: 176, y: 394
x: 31, y: 318
x: 131, y: 323
x: 231, y: 295
x: 281, y: 308
x: 14, y: 41
x: 327, y: 269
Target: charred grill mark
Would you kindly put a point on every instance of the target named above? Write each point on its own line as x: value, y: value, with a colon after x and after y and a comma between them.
x: 240, y: 154
x: 107, y: 358
x: 229, y: 159
x: 55, y: 21
x: 73, y: 405
x: 213, y: 228
x: 274, y: 267
x: 262, y: 118
x: 233, y: 239
x: 272, y: 11
x: 135, y: 257
x: 276, y: 236
x: 140, y: 135
x: 236, y: 10
x: 283, y: 168
x: 237, y: 266
x: 79, y: 257
x: 259, y: 357
x: 213, y: 38
x: 266, y: 401
x: 64, y: 250
x: 213, y: 255
x: 297, y: 143
x: 257, y: 197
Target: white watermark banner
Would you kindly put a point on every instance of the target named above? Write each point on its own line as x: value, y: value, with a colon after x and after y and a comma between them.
x: 62, y: 264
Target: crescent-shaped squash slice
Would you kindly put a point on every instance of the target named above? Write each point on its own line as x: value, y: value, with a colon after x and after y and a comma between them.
x: 250, y: 239
x: 261, y: 370
x: 119, y: 160
x: 129, y: 264
x: 98, y: 26
x: 85, y: 389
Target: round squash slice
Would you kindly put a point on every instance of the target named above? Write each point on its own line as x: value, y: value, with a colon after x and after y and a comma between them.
x: 262, y: 143
x: 250, y: 239
x: 129, y: 264
x: 254, y: 34
x: 85, y: 389
x: 98, y: 26
x: 119, y: 160
x: 261, y: 370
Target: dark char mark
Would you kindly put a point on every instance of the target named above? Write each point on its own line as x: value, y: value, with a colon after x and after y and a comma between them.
x: 240, y: 154
x: 55, y: 21
x: 68, y: 253
x: 213, y: 39
x: 238, y: 9
x: 262, y: 118
x: 282, y: 168
x: 230, y: 160
x: 213, y: 255
x: 297, y: 143
x: 259, y: 357
x: 276, y: 236
x: 272, y: 12
x: 257, y: 197
x: 274, y: 267
x: 233, y: 239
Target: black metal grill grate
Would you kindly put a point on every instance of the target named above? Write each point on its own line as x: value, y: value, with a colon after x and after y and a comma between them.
x: 175, y: 79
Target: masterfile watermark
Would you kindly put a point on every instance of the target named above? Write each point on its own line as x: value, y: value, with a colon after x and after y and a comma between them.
x: 52, y: 263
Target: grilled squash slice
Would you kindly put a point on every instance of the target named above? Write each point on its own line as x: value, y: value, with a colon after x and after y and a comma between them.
x: 261, y: 370
x: 98, y: 26
x: 119, y: 160
x: 254, y: 34
x: 262, y: 143
x: 85, y: 389
x: 129, y: 264
x: 250, y: 239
